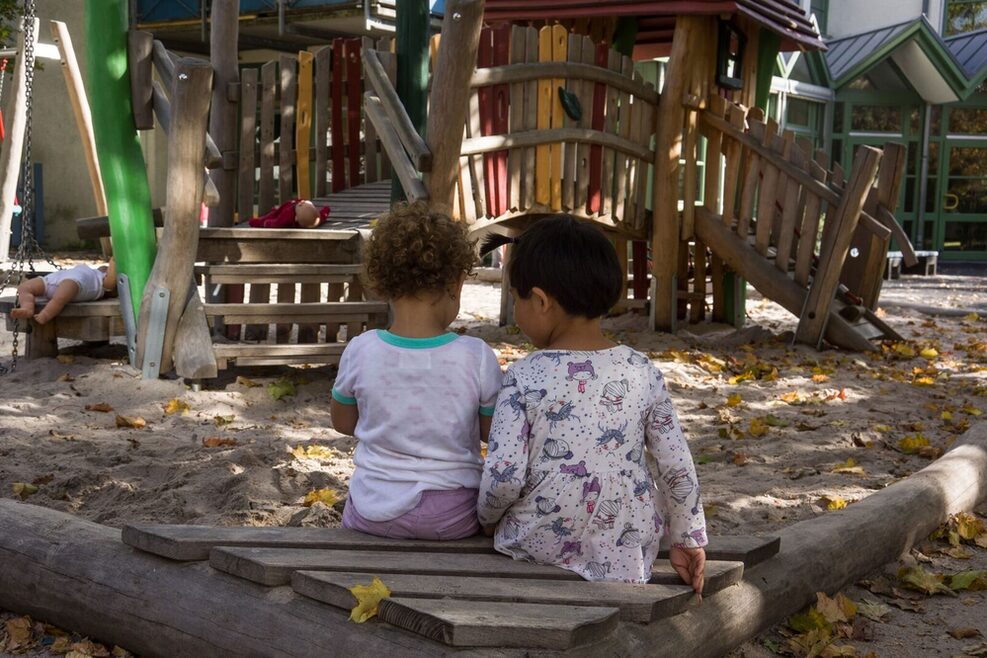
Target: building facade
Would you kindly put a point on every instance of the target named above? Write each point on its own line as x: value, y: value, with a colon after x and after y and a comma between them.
x: 910, y: 71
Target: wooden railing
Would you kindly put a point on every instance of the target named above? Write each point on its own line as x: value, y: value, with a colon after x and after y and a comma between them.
x: 786, y: 221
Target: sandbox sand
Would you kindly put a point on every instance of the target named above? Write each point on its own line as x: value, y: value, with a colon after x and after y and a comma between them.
x: 766, y: 459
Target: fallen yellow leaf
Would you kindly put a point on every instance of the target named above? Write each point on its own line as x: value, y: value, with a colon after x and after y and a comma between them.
x: 820, y: 378
x: 317, y: 452
x: 327, y: 497
x: 758, y: 427
x: 368, y: 598
x: 734, y: 400
x: 912, y: 443
x: 849, y: 467
x: 99, y: 406
x: 929, y: 353
x: 249, y: 383
x: 923, y: 381
x: 834, y: 503
x: 175, y: 406
x: 218, y: 442
x: 23, y: 489
x: 18, y: 634
x: 134, y: 422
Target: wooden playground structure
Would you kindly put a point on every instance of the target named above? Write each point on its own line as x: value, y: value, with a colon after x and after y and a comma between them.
x: 700, y: 193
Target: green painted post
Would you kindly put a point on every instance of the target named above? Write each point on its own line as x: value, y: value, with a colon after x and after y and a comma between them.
x: 734, y: 286
x: 412, y: 79
x: 121, y: 162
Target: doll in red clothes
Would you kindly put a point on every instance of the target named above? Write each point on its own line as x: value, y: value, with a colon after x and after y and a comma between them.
x: 297, y: 213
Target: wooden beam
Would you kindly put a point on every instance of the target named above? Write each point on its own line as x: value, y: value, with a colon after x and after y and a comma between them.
x: 570, y: 70
x: 412, y: 142
x: 812, y: 321
x: 162, y: 111
x: 140, y: 45
x: 179, y: 241
x: 224, y: 26
x: 449, y: 97
x: 413, y: 186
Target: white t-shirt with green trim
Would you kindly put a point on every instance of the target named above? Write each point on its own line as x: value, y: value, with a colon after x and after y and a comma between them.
x: 419, y: 401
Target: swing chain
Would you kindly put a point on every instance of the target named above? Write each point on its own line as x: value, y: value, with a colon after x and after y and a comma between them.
x: 29, y: 243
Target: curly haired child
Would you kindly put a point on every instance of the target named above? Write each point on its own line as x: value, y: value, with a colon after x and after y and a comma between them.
x: 565, y: 480
x: 81, y: 283
x: 417, y: 397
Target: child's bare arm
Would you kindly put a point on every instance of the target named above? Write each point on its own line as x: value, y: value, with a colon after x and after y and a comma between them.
x: 690, y: 565
x: 344, y: 417
x: 485, y: 422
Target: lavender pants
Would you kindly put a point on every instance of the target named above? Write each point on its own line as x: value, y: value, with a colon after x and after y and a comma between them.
x: 439, y: 515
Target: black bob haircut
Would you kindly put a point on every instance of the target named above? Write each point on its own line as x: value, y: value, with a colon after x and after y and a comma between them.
x: 571, y: 260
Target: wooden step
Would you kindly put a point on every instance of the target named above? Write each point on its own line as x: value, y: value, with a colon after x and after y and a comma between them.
x: 275, y: 245
x: 193, y: 542
x: 638, y: 603
x: 269, y: 354
x: 488, y: 624
x: 274, y: 566
x: 302, y: 312
x: 99, y: 308
x: 282, y: 273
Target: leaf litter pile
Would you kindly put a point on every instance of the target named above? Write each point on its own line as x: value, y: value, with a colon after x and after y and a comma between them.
x: 779, y: 433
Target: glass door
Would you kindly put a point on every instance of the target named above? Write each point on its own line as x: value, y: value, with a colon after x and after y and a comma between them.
x: 961, y: 229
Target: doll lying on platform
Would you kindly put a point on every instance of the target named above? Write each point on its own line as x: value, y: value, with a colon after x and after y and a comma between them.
x: 81, y: 283
x: 297, y: 213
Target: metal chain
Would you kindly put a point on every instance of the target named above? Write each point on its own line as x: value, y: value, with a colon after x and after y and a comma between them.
x: 29, y: 244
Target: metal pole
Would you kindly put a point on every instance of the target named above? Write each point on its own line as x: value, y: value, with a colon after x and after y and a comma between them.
x: 412, y: 82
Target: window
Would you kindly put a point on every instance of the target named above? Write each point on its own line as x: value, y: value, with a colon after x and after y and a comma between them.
x: 964, y: 16
x: 876, y: 118
x: 821, y: 10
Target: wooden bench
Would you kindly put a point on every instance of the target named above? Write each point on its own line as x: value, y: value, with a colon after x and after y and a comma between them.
x: 928, y: 263
x: 458, y: 593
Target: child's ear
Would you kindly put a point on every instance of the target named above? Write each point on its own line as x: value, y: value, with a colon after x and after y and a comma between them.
x: 543, y: 301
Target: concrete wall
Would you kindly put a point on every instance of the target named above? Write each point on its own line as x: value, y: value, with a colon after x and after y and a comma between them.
x: 56, y: 143
x: 848, y: 17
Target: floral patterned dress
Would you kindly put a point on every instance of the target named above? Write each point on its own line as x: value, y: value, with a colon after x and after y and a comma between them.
x: 565, y: 476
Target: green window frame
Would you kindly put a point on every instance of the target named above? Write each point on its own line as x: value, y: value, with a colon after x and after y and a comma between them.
x: 820, y: 8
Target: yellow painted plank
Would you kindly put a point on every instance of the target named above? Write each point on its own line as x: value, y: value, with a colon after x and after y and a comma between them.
x: 303, y: 123
x: 543, y: 155
x: 560, y: 53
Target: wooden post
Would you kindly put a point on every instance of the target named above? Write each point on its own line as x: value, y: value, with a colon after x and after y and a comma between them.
x: 180, y: 238
x: 692, y: 35
x: 80, y: 104
x: 812, y: 323
x: 223, y: 55
x: 412, y: 55
x: 450, y: 96
x: 10, y: 155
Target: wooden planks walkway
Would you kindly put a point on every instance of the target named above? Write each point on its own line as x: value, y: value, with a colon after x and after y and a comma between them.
x: 356, y: 207
x: 460, y: 593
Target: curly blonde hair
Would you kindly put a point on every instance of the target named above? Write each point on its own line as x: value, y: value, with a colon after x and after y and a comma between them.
x: 415, y: 249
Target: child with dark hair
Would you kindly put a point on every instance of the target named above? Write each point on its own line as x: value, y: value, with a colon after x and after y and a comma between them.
x: 417, y: 397
x: 565, y: 480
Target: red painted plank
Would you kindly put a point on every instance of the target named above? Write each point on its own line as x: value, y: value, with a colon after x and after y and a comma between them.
x: 336, y: 129
x: 484, y: 59
x: 596, y: 151
x: 354, y: 106
x: 501, y: 95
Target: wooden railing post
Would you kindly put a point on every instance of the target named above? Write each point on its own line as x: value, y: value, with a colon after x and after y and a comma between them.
x: 449, y: 99
x: 812, y: 323
x: 173, y: 266
x: 223, y: 35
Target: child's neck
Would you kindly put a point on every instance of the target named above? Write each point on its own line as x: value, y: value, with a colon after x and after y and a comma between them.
x: 417, y: 318
x: 578, y: 334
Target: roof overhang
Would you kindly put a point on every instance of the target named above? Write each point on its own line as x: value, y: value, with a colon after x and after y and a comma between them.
x: 919, y: 53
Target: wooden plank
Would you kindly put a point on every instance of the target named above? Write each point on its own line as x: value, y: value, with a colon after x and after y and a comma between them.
x: 560, y: 45
x: 381, y: 85
x: 790, y: 212
x: 561, y: 69
x: 624, y: 131
x: 690, y: 189
x: 255, y: 351
x: 289, y: 86
x: 248, y: 130
x: 354, y: 108
x: 643, y: 170
x: 607, y: 198
x: 586, y: 93
x: 531, y: 101
x: 812, y: 324
x: 620, y: 143
x: 484, y: 95
x: 269, y: 273
x: 752, y: 174
x: 300, y: 309
x: 370, y: 133
x: 336, y: 122
x: 620, y: 246
x: 697, y: 306
x: 636, y: 602
x: 733, y: 165
x: 476, y: 164
x: 809, y: 230
x: 139, y: 47
x: 766, y: 195
x: 546, y: 97
x: 574, y: 54
x: 515, y: 157
x: 303, y: 124
x: 413, y: 186
x: 486, y: 624
x: 598, y: 109
x: 323, y: 73
x: 268, y: 74
x: 389, y: 61
x: 500, y: 107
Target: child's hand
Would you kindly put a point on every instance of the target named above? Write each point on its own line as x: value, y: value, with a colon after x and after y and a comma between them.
x: 489, y: 530
x: 690, y: 564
